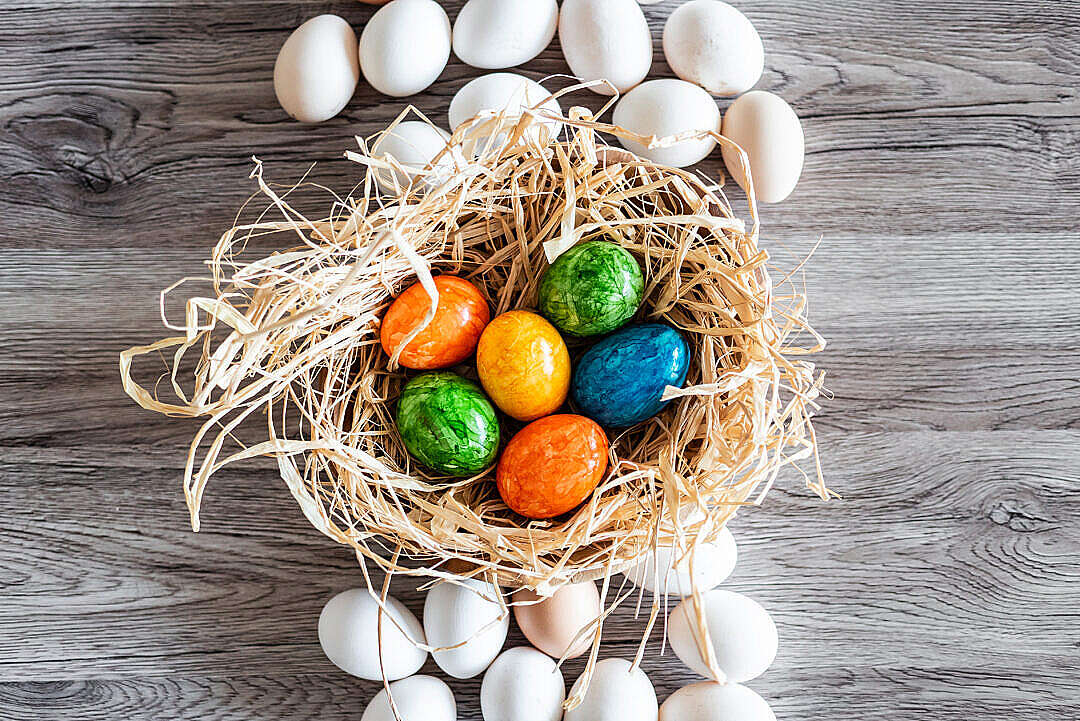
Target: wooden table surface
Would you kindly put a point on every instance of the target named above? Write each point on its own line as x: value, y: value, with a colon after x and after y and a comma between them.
x: 943, y: 173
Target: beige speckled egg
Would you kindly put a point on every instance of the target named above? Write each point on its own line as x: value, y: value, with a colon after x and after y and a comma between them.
x: 552, y: 623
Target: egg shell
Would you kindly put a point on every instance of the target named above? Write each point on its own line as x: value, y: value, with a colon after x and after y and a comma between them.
x: 619, y: 381
x: 615, y: 694
x: 551, y: 623
x: 710, y: 701
x: 417, y: 698
x: 349, y: 632
x: 712, y: 44
x: 405, y: 46
x: 523, y: 365
x: 448, y: 424
x: 465, y: 611
x: 712, y: 563
x: 414, y: 145
x: 551, y: 465
x: 317, y: 69
x: 606, y: 39
x: 743, y: 636
x: 460, y: 318
x: 522, y: 684
x: 766, y: 127
x: 506, y: 93
x: 492, y: 34
x: 664, y: 108
x: 593, y: 288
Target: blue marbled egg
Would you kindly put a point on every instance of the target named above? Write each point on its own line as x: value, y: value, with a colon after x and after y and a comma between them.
x: 619, y: 381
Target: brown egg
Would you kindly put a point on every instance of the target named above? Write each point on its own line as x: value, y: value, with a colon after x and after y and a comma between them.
x: 551, y: 624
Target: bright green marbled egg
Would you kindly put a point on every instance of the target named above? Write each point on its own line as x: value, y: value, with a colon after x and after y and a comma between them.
x: 448, y: 424
x: 593, y: 288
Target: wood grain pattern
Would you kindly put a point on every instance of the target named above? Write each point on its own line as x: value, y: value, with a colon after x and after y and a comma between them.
x: 943, y: 174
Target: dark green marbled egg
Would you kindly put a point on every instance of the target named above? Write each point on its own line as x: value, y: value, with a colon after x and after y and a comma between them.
x: 448, y: 424
x: 593, y: 288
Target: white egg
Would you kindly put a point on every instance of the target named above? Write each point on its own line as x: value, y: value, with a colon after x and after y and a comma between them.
x: 417, y: 698
x: 494, y: 34
x: 710, y: 43
x: 349, y: 634
x: 743, y: 635
x: 507, y: 93
x: 606, y: 39
x: 414, y: 145
x: 316, y: 70
x: 711, y: 701
x: 465, y: 612
x: 405, y: 46
x: 712, y: 564
x: 615, y: 694
x: 664, y: 108
x: 770, y: 132
x: 522, y: 684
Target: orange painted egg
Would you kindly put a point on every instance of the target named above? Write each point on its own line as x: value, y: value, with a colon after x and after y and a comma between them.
x: 552, y: 465
x: 453, y: 333
x: 523, y: 365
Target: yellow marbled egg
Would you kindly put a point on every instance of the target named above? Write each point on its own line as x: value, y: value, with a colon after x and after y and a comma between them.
x: 523, y: 365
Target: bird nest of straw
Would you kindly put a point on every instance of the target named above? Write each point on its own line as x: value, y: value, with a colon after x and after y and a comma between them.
x: 289, y: 340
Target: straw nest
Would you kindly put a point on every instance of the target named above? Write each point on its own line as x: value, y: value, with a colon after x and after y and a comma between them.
x: 290, y: 340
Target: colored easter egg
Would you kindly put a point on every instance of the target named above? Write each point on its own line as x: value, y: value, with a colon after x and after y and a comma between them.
x: 453, y: 333
x: 551, y: 465
x: 593, y: 288
x: 448, y: 424
x: 523, y: 365
x: 619, y: 381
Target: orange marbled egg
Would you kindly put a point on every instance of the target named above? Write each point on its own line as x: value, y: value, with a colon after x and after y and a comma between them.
x: 523, y: 365
x: 552, y: 465
x: 453, y: 333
